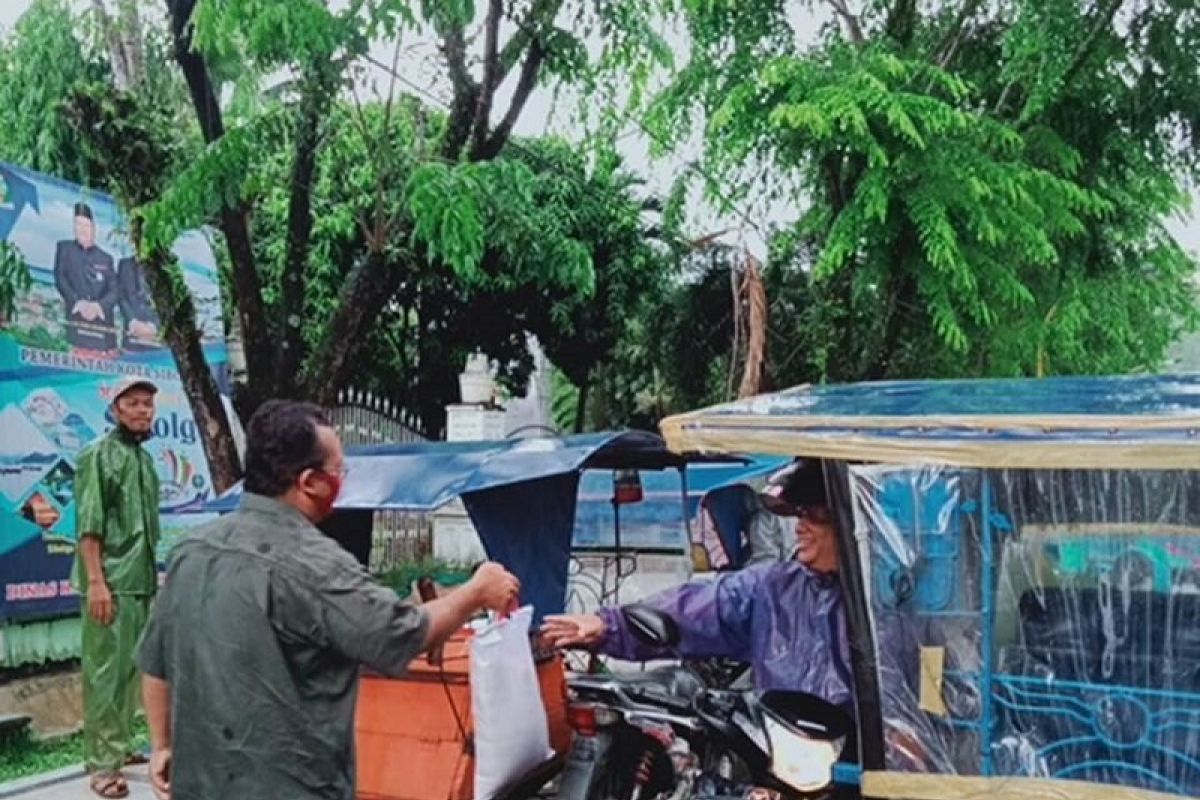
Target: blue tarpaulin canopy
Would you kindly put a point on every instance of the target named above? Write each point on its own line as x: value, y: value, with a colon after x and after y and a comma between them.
x: 424, y: 476
x: 521, y: 495
x: 1078, y: 422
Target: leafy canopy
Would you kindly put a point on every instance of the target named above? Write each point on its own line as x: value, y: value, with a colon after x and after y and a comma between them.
x: 980, y: 187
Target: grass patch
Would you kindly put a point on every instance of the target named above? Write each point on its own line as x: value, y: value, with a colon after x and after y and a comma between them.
x: 445, y: 573
x: 25, y: 756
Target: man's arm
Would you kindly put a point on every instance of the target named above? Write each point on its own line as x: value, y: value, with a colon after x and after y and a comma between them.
x: 99, y: 596
x: 107, y: 301
x: 126, y: 292
x: 713, y: 618
x: 491, y: 587
x: 365, y: 621
x: 135, y: 307
x: 89, y: 531
x: 156, y: 697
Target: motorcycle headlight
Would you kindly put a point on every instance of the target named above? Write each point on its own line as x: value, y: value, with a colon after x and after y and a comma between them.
x: 801, y: 762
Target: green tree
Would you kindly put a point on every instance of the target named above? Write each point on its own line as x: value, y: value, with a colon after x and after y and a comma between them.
x: 15, y: 280
x: 40, y: 60
x: 632, y: 254
x: 440, y: 198
x: 981, y: 185
x: 554, y: 209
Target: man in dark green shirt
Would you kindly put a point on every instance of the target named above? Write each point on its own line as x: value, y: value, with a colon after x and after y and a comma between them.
x: 252, y: 655
x: 117, y: 531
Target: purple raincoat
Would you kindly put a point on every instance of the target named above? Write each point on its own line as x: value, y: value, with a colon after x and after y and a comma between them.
x: 784, y: 619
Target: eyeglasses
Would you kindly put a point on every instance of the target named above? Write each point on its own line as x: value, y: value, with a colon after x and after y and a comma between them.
x: 340, y: 473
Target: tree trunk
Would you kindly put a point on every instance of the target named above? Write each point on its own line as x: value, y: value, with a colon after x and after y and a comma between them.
x: 313, y: 106
x: 123, y: 37
x: 174, y: 304
x: 367, y: 290
x: 756, y: 330
x: 902, y: 22
x: 252, y: 314
x: 131, y: 37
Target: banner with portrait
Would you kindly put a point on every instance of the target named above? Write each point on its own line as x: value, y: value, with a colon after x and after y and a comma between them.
x: 86, y: 322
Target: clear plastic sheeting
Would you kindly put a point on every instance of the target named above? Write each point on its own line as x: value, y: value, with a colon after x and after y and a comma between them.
x: 1132, y: 422
x: 1058, y: 617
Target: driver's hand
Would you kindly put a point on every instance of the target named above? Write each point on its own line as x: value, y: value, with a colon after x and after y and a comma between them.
x: 573, y: 630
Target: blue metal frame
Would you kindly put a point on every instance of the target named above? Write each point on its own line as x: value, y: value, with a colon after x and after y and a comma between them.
x: 987, y: 606
x: 1079, y: 707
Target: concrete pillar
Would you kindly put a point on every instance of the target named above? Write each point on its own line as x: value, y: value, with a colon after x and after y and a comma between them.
x: 454, y: 537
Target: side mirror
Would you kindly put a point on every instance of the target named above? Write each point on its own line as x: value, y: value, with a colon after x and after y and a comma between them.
x: 650, y: 626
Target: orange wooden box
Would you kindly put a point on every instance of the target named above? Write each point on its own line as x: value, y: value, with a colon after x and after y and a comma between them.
x: 409, y: 731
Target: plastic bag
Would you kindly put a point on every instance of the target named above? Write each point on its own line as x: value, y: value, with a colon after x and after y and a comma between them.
x: 512, y: 737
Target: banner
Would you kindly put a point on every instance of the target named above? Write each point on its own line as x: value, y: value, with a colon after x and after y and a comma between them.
x: 87, y: 322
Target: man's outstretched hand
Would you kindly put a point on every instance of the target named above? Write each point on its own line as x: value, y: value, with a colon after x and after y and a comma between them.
x: 573, y: 630
x: 495, y: 588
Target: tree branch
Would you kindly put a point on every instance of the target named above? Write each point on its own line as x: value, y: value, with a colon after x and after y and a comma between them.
x: 949, y: 43
x: 116, y: 50
x: 1085, y: 50
x: 252, y: 315
x: 491, y: 68
x: 314, y: 105
x: 466, y: 91
x: 131, y: 40
x: 540, y: 15
x: 850, y: 20
x: 525, y: 85
x: 1088, y: 45
x: 1002, y: 101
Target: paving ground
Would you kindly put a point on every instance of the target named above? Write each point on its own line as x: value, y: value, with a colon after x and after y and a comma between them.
x: 72, y: 784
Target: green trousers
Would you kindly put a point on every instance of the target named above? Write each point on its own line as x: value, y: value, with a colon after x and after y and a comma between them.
x: 111, y: 686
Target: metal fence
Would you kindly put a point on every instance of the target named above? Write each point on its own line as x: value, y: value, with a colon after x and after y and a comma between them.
x: 365, y: 418
x: 362, y: 418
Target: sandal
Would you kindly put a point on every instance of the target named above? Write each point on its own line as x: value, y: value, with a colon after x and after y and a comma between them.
x: 110, y: 785
x: 136, y: 759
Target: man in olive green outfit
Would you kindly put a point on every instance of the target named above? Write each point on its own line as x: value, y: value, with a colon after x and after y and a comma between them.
x: 116, y: 511
x: 251, y: 660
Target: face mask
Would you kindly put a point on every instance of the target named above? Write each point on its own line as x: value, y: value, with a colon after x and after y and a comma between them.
x: 325, y: 504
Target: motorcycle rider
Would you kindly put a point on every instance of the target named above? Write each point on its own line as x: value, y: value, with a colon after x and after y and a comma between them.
x: 787, y: 619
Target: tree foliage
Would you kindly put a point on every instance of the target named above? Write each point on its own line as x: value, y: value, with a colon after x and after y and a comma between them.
x: 15, y: 280
x: 981, y: 186
x: 562, y: 254
x: 366, y: 215
x: 40, y: 60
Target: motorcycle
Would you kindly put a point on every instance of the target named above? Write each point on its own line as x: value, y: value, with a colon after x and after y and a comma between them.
x: 665, y: 735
